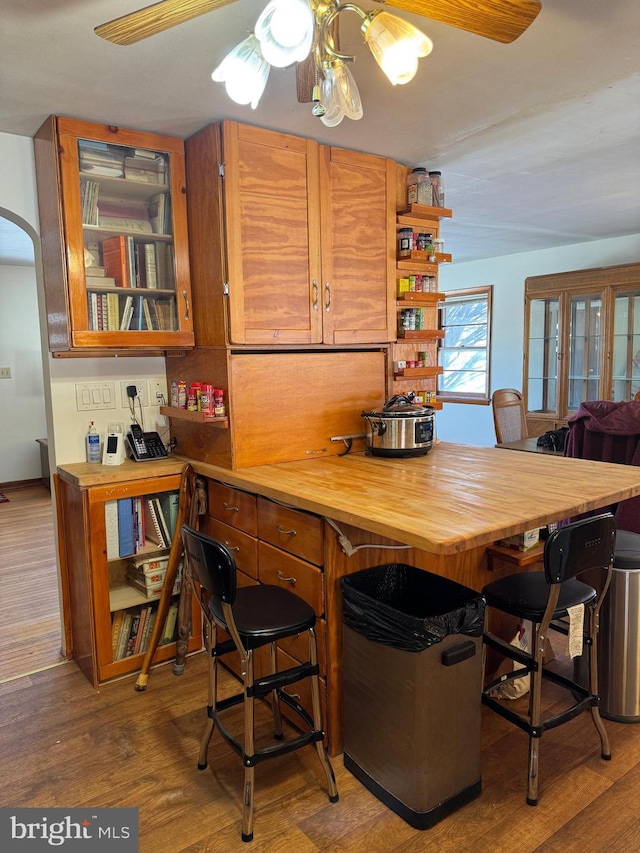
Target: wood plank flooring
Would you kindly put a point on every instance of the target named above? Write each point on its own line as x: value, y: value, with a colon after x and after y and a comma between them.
x: 29, y: 606
x: 65, y: 744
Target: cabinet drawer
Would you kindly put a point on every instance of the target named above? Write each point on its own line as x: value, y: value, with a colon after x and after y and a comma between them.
x: 299, y: 533
x: 243, y: 547
x: 281, y: 569
x: 234, y: 507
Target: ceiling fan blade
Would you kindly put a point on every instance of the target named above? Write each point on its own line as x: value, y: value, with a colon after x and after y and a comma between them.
x: 500, y: 20
x: 146, y: 22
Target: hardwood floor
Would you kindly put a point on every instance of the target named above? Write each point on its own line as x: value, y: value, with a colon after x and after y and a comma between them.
x: 29, y: 606
x: 62, y: 743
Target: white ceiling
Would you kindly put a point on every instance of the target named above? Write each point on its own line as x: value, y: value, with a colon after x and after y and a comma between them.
x: 538, y: 141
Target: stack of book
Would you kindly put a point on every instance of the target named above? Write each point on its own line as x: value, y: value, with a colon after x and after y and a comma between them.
x: 131, y: 629
x: 147, y: 576
x: 100, y: 158
x: 148, y: 167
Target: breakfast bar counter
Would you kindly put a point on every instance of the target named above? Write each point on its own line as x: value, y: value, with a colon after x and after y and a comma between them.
x: 455, y: 498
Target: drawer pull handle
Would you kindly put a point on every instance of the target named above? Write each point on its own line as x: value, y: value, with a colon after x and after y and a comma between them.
x: 283, y: 577
x: 231, y: 547
x: 229, y: 507
x: 281, y: 529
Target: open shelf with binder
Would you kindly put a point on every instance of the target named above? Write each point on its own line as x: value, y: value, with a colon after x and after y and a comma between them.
x: 116, y: 564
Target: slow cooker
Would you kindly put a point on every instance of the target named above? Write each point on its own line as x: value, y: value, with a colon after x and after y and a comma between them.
x: 400, y: 428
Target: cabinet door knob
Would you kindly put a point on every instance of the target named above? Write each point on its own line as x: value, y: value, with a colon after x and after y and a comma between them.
x: 186, y: 304
x: 231, y: 547
x: 283, y: 577
x: 327, y: 289
x: 281, y: 529
x: 316, y: 293
x: 229, y: 507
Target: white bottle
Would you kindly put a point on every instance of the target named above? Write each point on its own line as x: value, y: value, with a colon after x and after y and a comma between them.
x: 93, y: 444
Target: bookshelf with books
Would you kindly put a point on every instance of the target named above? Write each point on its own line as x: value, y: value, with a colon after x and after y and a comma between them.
x: 119, y: 277
x: 120, y: 530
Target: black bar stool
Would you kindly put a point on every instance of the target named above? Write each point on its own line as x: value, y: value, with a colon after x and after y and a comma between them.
x: 254, y: 616
x: 543, y: 598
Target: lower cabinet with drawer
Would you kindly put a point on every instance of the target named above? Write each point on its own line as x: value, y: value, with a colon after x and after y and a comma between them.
x: 279, y: 545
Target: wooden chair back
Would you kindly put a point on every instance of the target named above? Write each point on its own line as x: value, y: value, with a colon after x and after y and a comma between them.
x: 508, y: 415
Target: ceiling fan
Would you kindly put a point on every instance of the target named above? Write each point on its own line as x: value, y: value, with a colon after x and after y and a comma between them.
x: 499, y: 20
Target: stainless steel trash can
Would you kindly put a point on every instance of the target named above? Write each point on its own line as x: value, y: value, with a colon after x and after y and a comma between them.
x: 412, y: 689
x: 619, y: 647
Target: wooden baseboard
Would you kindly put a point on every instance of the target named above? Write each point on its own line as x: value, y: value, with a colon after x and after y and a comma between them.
x: 20, y: 484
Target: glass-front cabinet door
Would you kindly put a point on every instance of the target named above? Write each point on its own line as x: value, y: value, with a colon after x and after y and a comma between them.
x: 118, y: 199
x: 542, y: 355
x: 626, y: 345
x: 585, y: 350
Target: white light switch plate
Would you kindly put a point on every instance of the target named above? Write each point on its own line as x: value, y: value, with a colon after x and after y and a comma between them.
x: 91, y: 396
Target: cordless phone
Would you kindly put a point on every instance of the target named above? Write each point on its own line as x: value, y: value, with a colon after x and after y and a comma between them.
x: 145, y: 446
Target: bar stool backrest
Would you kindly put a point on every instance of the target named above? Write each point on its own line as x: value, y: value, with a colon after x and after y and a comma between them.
x: 578, y: 547
x: 213, y: 566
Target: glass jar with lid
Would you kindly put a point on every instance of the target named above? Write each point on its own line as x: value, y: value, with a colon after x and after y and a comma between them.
x: 419, y: 189
x: 437, y: 189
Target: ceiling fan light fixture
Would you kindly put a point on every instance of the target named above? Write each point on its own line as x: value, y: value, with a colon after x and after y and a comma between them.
x: 396, y: 45
x: 285, y: 30
x: 339, y: 94
x: 245, y: 72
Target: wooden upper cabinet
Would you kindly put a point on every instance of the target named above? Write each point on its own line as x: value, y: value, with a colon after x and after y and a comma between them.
x: 357, y: 222
x: 271, y: 204
x: 113, y: 224
x: 291, y: 242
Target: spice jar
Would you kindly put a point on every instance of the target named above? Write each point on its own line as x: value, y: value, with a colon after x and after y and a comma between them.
x: 219, y: 409
x: 206, y: 400
x: 405, y: 239
x: 419, y: 187
x: 437, y: 188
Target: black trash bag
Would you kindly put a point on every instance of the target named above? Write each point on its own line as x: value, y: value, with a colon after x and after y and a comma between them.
x: 408, y: 608
x: 554, y: 439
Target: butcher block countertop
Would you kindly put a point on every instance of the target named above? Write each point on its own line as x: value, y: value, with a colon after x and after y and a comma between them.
x: 455, y: 498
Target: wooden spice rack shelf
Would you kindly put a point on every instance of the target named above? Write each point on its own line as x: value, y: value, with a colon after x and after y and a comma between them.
x: 416, y: 214
x: 420, y: 258
x: 416, y: 297
x: 419, y: 334
x: 419, y: 372
x: 194, y: 417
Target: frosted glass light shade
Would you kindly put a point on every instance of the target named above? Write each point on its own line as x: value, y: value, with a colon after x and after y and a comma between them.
x: 285, y: 31
x: 339, y: 95
x: 396, y: 45
x: 245, y: 72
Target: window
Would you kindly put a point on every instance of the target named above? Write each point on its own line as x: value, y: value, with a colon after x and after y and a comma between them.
x: 464, y: 350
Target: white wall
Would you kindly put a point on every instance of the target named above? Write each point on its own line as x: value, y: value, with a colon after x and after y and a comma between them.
x: 472, y: 424
x: 22, y: 410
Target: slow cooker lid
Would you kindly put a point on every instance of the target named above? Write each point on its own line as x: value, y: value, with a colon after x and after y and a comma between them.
x: 402, y: 406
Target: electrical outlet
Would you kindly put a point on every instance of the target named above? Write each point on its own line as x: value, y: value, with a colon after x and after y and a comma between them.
x: 158, y: 392
x: 5, y: 373
x: 142, y: 387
